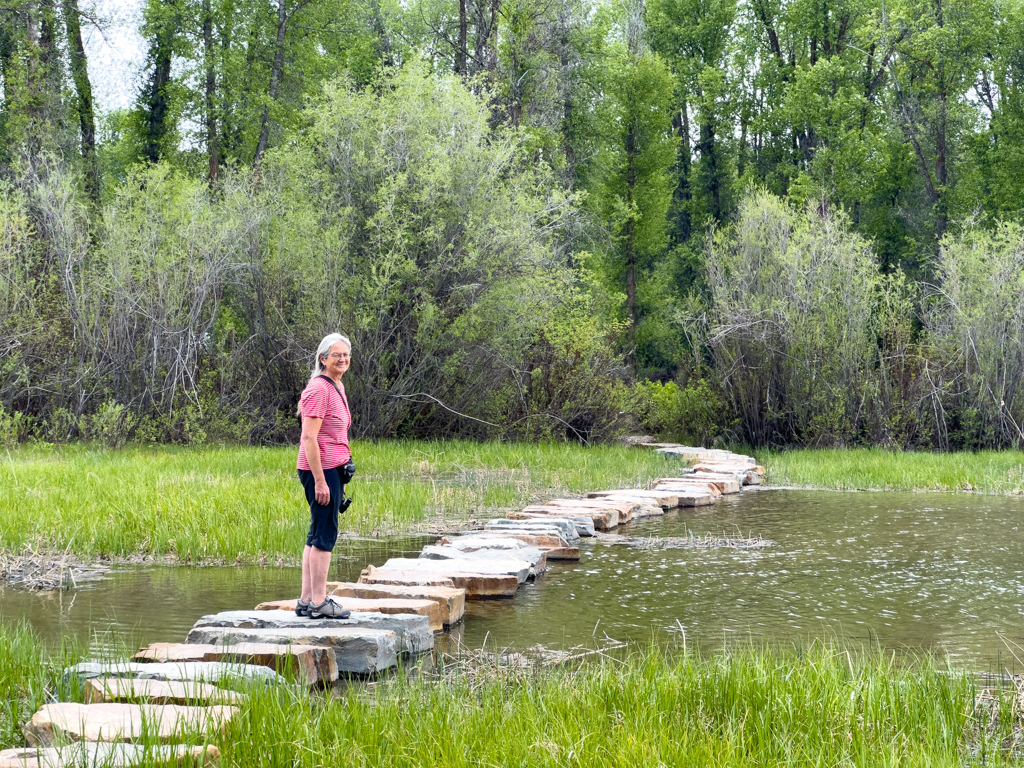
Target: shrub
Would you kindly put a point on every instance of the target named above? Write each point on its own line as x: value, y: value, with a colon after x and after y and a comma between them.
x: 692, y: 414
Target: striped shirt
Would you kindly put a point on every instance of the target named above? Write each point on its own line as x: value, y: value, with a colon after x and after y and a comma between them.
x: 320, y: 401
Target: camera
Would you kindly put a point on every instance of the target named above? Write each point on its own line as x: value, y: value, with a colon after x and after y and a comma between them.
x: 347, y: 472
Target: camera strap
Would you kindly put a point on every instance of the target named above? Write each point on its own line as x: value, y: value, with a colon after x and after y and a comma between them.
x: 336, y: 389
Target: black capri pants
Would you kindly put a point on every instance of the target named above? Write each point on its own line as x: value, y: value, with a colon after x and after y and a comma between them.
x: 323, y: 524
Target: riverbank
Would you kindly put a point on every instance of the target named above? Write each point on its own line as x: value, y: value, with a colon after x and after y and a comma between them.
x: 853, y: 469
x: 244, y: 505
x: 812, y: 706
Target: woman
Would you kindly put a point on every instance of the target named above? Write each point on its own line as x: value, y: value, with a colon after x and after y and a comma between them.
x: 324, y: 467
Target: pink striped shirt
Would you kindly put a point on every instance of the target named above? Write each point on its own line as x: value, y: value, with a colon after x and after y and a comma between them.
x: 320, y: 401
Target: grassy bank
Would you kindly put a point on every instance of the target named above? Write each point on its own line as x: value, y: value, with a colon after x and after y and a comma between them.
x: 818, y: 707
x: 876, y: 469
x: 246, y: 503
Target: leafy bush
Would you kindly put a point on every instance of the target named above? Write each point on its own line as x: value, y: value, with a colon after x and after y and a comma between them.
x: 14, y: 427
x: 693, y: 414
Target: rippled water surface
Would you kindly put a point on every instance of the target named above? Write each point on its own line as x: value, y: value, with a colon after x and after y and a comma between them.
x: 941, y: 573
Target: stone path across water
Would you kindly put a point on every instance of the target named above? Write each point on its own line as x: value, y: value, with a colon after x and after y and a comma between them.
x: 396, y: 609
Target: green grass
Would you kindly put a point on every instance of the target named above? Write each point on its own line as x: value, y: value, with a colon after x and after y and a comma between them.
x: 816, y: 706
x: 875, y: 469
x: 241, y: 503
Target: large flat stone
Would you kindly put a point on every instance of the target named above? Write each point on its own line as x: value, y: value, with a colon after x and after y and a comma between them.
x: 670, y: 483
x: 505, y: 567
x: 309, y: 664
x: 471, y: 540
x: 165, y: 723
x: 635, y: 508
x: 112, y: 690
x: 404, y: 578
x: 451, y: 602
x: 426, y: 608
x: 583, y: 524
x: 565, y: 528
x: 202, y: 671
x: 666, y: 499
x: 603, y: 519
x: 477, y: 586
x: 94, y: 754
x: 725, y: 485
x: 531, y: 555
x: 357, y: 651
x: 414, y: 633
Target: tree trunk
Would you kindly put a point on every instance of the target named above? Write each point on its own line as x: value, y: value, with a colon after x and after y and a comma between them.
x: 682, y: 194
x: 160, y: 53
x: 709, y: 157
x: 275, y: 77
x: 630, y: 245
x: 212, y: 149
x: 83, y: 89
x: 460, y: 57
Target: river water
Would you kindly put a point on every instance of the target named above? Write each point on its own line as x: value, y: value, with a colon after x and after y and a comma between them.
x: 938, y: 573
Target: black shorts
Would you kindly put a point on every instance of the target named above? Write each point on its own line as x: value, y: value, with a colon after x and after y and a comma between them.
x: 323, y: 524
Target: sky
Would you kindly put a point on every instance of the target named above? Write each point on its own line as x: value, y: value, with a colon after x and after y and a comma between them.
x: 117, y: 54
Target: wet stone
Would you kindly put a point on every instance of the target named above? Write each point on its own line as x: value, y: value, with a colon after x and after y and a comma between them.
x: 584, y: 525
x: 531, y: 555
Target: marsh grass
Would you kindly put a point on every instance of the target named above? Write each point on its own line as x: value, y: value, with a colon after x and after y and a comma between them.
x: 245, y: 504
x: 1000, y: 472
x: 818, y: 705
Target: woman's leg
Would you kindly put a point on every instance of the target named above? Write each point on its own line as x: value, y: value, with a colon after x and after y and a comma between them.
x: 319, y: 565
x: 307, y: 582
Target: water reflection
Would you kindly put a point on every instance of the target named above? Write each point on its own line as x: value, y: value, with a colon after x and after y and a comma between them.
x: 938, y: 573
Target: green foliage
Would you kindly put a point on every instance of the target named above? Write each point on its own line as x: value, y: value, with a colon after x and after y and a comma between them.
x: 693, y: 414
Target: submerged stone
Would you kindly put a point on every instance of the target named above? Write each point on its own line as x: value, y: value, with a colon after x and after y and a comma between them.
x: 565, y: 528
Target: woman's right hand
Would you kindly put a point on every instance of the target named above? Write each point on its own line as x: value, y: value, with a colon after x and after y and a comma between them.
x: 322, y: 493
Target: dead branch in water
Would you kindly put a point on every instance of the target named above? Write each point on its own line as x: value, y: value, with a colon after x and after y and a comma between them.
x: 46, y: 570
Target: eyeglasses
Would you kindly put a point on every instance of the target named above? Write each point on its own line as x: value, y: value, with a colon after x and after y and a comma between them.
x: 340, y: 356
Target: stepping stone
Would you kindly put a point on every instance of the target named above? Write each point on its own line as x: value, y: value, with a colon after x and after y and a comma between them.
x: 724, y: 485
x: 414, y: 633
x: 566, y: 529
x: 668, y: 500
x: 470, y: 540
x: 357, y: 651
x: 506, y: 566
x: 531, y: 555
x: 451, y: 602
x: 202, y: 671
x: 652, y: 506
x: 675, y: 482
x: 406, y: 579
x: 634, y: 508
x: 563, y: 553
x: 477, y: 586
x: 723, y: 477
x: 358, y: 605
x: 603, y: 519
x: 91, y: 754
x: 65, y: 722
x: 584, y: 525
x: 111, y: 690
x: 310, y: 665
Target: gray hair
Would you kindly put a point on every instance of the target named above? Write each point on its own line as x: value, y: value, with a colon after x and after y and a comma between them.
x: 326, y: 343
